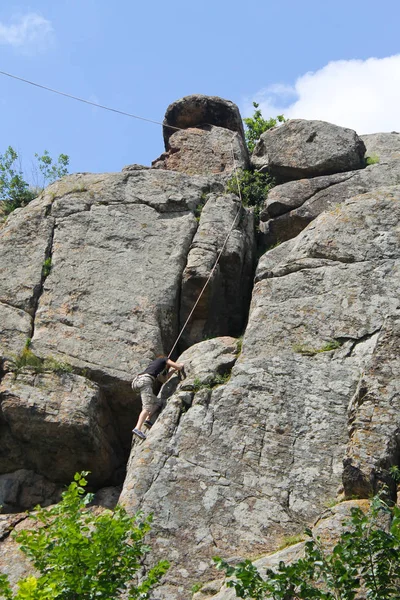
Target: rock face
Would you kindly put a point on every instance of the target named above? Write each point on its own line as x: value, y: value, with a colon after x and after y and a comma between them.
x: 101, y: 271
x: 307, y: 149
x: 92, y: 277
x: 270, y: 442
x: 375, y: 418
x: 59, y: 425
x: 23, y: 489
x: 383, y: 147
x: 231, y: 281
x: 328, y: 528
x: 292, y: 206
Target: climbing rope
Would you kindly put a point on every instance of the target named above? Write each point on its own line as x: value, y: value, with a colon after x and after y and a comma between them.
x: 218, y: 256
x: 121, y: 112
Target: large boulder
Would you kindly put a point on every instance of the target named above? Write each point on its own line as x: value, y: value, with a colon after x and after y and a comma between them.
x: 205, y: 150
x: 57, y: 425
x: 25, y: 489
x: 290, y: 207
x: 255, y: 459
x: 197, y: 109
x: 382, y: 147
x: 301, y: 148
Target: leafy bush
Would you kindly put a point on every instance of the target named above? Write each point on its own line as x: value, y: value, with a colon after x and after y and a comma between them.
x: 15, y: 192
x: 366, y: 555
x: 81, y: 554
x: 27, y: 358
x: 256, y: 125
x: 254, y: 188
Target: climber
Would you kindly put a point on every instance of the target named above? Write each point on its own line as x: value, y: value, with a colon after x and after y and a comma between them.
x: 144, y: 383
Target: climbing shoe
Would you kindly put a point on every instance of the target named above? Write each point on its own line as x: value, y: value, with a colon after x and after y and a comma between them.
x: 139, y: 433
x: 148, y: 424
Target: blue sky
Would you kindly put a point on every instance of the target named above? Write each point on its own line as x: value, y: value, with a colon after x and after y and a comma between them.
x: 336, y: 61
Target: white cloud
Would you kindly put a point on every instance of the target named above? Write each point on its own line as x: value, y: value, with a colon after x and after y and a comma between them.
x: 27, y: 32
x: 362, y: 95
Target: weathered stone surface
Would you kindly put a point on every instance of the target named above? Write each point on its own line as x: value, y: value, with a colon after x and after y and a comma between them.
x: 129, y: 232
x: 328, y: 528
x: 57, y: 425
x: 198, y: 109
x: 203, y: 151
x: 375, y: 418
x: 290, y: 207
x: 12, y: 561
x: 205, y: 363
x: 24, y: 246
x: 382, y: 146
x: 257, y: 458
x: 25, y: 489
x: 118, y: 245
x: 222, y: 309
x: 301, y: 148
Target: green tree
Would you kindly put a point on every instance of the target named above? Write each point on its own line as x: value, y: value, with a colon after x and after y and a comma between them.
x: 256, y: 125
x: 367, y: 555
x: 15, y: 191
x: 50, y: 169
x: 254, y: 188
x: 83, y: 555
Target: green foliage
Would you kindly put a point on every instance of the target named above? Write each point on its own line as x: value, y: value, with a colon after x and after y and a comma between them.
x: 290, y: 540
x: 372, y: 160
x: 46, y: 267
x: 366, y: 555
x: 56, y: 366
x: 81, y: 554
x: 395, y: 473
x: 52, y: 170
x: 254, y: 188
x: 310, y: 351
x: 196, y: 587
x: 210, y: 384
x: 28, y: 359
x: 256, y: 125
x: 15, y: 191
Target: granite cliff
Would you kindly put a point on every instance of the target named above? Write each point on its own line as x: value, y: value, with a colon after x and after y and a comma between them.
x: 292, y: 391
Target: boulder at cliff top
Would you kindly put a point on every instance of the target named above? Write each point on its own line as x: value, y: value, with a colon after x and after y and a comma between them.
x: 203, y: 151
x: 301, y: 148
x: 198, y: 109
